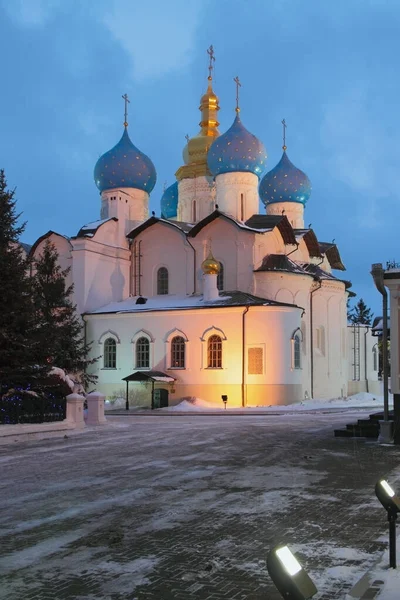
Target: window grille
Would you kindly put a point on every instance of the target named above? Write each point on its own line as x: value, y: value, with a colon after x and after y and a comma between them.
x: 110, y: 354
x: 255, y: 361
x: 220, y: 277
x: 162, y: 281
x: 143, y: 353
x: 214, y: 358
x: 297, y: 351
x: 178, y: 352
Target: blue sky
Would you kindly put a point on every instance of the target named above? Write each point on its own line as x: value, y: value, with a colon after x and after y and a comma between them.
x: 328, y: 68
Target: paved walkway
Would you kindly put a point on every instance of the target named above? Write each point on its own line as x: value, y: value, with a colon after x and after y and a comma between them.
x: 167, y: 508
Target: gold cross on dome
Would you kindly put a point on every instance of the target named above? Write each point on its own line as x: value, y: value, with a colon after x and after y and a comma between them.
x: 210, y: 52
x: 125, y: 97
x: 284, y: 134
x: 238, y: 85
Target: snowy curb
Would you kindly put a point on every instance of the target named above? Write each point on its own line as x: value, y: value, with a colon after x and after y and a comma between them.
x: 31, y: 431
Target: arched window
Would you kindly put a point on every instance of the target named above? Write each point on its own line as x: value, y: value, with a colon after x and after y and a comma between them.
x: 143, y: 353
x: 162, y: 281
x: 375, y: 357
x: 296, y: 341
x: 220, y: 277
x: 110, y: 354
x: 297, y: 351
x: 214, y: 352
x: 177, y: 352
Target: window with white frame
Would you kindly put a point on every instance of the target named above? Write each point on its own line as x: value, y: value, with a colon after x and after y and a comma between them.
x: 214, y: 352
x: 220, y: 277
x: 178, y: 352
x: 162, y: 281
x: 110, y: 354
x: 142, y: 353
x: 255, y: 361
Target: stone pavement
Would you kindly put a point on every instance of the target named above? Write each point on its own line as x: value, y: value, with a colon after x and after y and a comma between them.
x: 168, y: 508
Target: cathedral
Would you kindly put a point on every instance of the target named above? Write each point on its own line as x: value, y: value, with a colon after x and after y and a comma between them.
x: 211, y: 298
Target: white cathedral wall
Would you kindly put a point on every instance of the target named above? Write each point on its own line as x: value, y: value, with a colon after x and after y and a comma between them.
x: 196, y: 198
x: 101, y: 270
x: 294, y: 211
x: 237, y: 194
x: 165, y: 246
x: 362, y: 368
x: 330, y: 339
x: 230, y: 246
x: 266, y: 328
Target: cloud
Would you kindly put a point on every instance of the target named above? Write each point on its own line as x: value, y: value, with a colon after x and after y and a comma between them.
x: 31, y: 13
x: 158, y: 36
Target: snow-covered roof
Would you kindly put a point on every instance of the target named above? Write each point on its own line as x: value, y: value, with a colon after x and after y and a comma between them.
x: 90, y: 229
x: 165, y: 303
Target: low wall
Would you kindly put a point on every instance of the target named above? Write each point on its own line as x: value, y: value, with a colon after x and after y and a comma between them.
x: 356, y: 387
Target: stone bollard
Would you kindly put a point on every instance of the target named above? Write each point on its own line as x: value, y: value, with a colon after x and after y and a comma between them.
x: 75, y: 410
x: 95, y: 414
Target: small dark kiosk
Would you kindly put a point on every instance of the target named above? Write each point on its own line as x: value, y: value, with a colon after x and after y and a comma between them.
x: 289, y: 577
x: 159, y: 397
x: 391, y: 503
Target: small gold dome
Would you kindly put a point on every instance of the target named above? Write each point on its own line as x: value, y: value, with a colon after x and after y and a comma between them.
x: 210, y: 266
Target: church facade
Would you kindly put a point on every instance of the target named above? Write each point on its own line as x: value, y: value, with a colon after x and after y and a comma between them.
x: 219, y: 299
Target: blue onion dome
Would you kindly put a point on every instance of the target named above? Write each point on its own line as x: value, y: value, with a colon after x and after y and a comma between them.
x: 169, y: 202
x: 237, y: 150
x: 125, y: 166
x: 285, y: 183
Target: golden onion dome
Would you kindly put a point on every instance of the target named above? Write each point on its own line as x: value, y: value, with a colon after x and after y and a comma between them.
x: 196, y: 150
x: 210, y: 266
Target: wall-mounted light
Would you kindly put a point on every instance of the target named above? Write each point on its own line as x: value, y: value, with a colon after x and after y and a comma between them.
x: 289, y: 577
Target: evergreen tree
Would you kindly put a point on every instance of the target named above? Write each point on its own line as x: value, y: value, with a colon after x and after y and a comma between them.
x: 59, y: 329
x: 19, y: 350
x: 360, y: 314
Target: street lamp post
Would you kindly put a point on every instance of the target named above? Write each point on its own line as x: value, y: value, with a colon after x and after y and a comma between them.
x: 386, y: 426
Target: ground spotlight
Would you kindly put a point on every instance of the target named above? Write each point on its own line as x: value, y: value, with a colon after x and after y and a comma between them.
x: 289, y: 577
x: 391, y: 503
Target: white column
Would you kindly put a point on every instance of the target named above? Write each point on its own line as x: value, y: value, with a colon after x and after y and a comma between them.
x: 210, y: 290
x: 75, y: 410
x: 393, y: 285
x: 95, y: 402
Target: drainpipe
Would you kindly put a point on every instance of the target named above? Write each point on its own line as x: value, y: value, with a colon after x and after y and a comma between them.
x: 246, y: 310
x: 365, y: 359
x: 312, y: 337
x: 194, y: 265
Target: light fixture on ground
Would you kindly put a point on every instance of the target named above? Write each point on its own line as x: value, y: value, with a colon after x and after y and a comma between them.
x: 385, y: 426
x: 224, y: 399
x: 289, y: 577
x: 391, y: 503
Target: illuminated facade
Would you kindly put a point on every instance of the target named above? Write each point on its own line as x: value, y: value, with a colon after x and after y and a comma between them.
x: 264, y: 322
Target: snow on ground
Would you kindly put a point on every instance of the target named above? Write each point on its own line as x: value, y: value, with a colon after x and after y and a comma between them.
x: 361, y: 400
